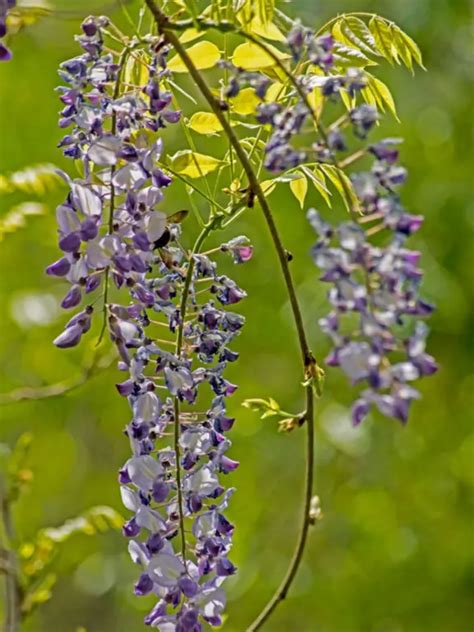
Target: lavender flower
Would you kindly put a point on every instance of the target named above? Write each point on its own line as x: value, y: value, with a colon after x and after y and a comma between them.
x: 172, y: 485
x: 302, y: 40
x: 110, y: 221
x: 110, y: 228
x: 379, y: 284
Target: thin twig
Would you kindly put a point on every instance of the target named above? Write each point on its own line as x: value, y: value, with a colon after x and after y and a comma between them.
x: 179, y: 346
x: 28, y: 393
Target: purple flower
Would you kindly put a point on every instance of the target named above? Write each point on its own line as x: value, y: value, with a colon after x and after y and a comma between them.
x: 363, y: 119
x: 72, y: 298
x: 378, y: 286
x: 5, y: 53
x: 240, y: 249
x: 59, y: 268
x: 70, y: 337
x: 111, y: 227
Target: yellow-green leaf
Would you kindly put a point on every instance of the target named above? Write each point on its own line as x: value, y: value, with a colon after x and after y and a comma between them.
x: 268, y: 186
x: 381, y: 31
x: 37, y: 179
x: 193, y: 164
x: 245, y: 102
x: 204, y: 123
x: 405, y: 47
x: 136, y: 69
x: 246, y: 10
x: 412, y: 47
x: 189, y: 35
x: 349, y: 57
x: 343, y: 185
x: 370, y: 98
x: 399, y: 48
x: 347, y: 100
x: 382, y: 94
x: 316, y: 101
x: 275, y: 92
x: 268, y: 31
x: 203, y: 55
x: 16, y: 217
x: 249, y: 56
x: 299, y: 188
x: 353, y: 31
x: 319, y: 182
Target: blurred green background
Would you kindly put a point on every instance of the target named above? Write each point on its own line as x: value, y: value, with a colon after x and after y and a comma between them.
x: 394, y: 551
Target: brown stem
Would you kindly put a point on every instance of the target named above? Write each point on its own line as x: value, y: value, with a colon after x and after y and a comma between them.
x: 282, y: 591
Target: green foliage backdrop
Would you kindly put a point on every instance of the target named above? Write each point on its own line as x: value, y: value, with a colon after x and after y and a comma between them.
x: 394, y: 551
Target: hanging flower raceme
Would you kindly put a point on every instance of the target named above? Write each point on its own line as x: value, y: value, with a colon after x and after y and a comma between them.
x: 178, y: 534
x: 374, y: 324
x: 110, y: 229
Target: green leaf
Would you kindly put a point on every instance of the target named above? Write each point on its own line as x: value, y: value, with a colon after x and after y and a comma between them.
x: 249, y: 56
x: 343, y: 186
x: 17, y: 216
x: 352, y: 31
x: 37, y: 179
x: 203, y: 55
x: 382, y: 94
x: 193, y: 164
x: 204, y: 123
x: 381, y: 31
x: 348, y: 57
x: 299, y: 188
x: 319, y: 182
x: 245, y: 102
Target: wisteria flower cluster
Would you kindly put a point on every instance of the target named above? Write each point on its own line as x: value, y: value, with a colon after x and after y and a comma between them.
x: 175, y: 488
x: 375, y: 291
x: 110, y: 228
x: 5, y: 6
x: 380, y: 283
